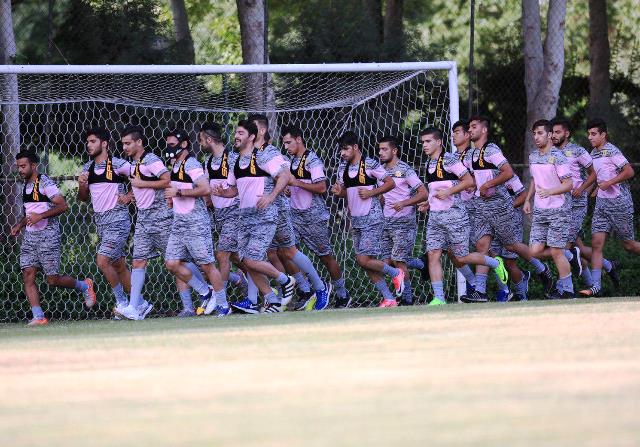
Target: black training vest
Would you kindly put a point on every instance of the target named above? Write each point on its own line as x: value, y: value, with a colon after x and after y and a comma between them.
x: 140, y: 175
x: 301, y: 172
x: 439, y: 174
x: 34, y: 196
x: 108, y: 176
x: 463, y: 154
x: 222, y: 172
x: 252, y: 169
x: 181, y: 176
x: 481, y: 163
x: 362, y: 179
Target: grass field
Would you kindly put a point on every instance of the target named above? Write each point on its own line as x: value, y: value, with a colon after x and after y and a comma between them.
x: 537, y: 373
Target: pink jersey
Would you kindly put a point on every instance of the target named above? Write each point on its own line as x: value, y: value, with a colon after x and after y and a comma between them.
x: 579, y: 161
x: 39, y: 201
x: 608, y: 162
x: 406, y: 183
x: 364, y: 174
x: 444, y: 172
x: 106, y: 182
x: 218, y: 170
x: 184, y: 175
x: 308, y: 169
x: 486, y: 163
x: 548, y: 170
x: 465, y: 158
x: 150, y: 167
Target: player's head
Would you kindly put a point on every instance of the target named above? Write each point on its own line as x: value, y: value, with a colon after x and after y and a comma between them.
x: 561, y: 131
x: 97, y: 139
x: 210, y: 135
x: 292, y: 140
x: 542, y: 130
x: 262, y: 123
x: 461, y: 135
x: 245, y: 136
x: 177, y: 141
x: 597, y: 132
x: 132, y: 139
x: 27, y: 163
x: 431, y: 140
x: 388, y: 148
x: 479, y: 128
x: 349, y: 146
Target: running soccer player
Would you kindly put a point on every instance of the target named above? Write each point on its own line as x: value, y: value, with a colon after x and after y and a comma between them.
x: 41, y: 244
x: 358, y: 177
x: 494, y: 210
x: 309, y: 213
x: 190, y: 236
x: 581, y: 165
x: 550, y: 183
x: 102, y: 182
x: 284, y: 240
x: 613, y: 213
x: 257, y: 178
x: 448, y: 224
x: 399, y: 211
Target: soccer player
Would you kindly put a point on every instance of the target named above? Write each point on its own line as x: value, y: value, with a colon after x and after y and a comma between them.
x: 225, y: 218
x: 40, y: 248
x: 284, y: 239
x: 149, y: 177
x: 448, y: 224
x: 102, y: 182
x: 581, y: 165
x: 190, y: 236
x: 614, y: 206
x: 309, y: 213
x: 257, y: 178
x: 358, y: 177
x: 399, y: 211
x: 494, y: 210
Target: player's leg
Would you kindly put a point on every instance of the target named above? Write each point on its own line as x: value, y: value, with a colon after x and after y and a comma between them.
x: 33, y: 296
x: 436, y: 275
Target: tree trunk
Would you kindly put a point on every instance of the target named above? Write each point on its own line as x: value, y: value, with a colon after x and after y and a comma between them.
x: 544, y: 68
x: 599, y: 55
x: 184, y: 43
x: 373, y: 14
x: 251, y: 15
x: 393, y: 34
x: 9, y: 121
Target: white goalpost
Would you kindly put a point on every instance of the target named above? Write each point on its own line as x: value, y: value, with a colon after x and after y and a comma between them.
x: 47, y: 107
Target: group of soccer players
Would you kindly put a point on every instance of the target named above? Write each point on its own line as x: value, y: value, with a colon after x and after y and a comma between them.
x: 260, y: 203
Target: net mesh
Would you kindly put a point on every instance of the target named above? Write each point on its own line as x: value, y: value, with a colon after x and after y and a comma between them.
x: 49, y: 113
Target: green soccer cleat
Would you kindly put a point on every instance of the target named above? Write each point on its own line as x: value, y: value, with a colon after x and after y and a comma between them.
x: 501, y: 271
x: 436, y: 302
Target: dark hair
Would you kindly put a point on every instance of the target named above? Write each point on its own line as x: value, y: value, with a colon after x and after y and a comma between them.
x: 349, y: 138
x: 543, y: 123
x: 213, y: 130
x: 294, y: 131
x: 461, y: 123
x: 249, y: 126
x: 432, y: 131
x: 99, y: 132
x: 136, y: 133
x: 566, y: 125
x: 486, y: 122
x: 393, y: 142
x: 598, y: 123
x: 262, y: 120
x: 29, y: 154
x: 181, y: 135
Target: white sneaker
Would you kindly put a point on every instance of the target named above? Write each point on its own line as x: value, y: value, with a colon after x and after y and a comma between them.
x: 144, y: 309
x: 118, y: 311
x: 137, y: 313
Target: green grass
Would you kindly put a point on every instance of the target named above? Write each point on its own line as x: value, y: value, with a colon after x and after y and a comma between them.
x: 537, y: 373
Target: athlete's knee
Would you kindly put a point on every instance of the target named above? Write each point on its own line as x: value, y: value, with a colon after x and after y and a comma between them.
x: 103, y: 262
x: 139, y: 263
x: 53, y: 280
x: 362, y: 260
x: 288, y: 252
x: 434, y: 257
x: 172, y: 265
x: 29, y: 275
x: 630, y: 245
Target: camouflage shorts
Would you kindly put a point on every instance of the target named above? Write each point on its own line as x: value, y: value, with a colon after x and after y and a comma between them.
x: 113, y: 239
x: 226, y: 233
x: 550, y: 227
x: 41, y: 249
x: 448, y: 230
x: 313, y: 232
x: 398, y: 238
x: 254, y: 237
x: 578, y: 215
x: 195, y: 245
x: 613, y: 218
x: 284, y: 236
x: 497, y: 220
x: 470, y: 206
x: 496, y: 244
x: 150, y: 240
x: 367, y: 240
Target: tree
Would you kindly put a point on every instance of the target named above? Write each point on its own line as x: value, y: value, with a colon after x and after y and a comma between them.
x: 543, y: 66
x: 599, y: 56
x: 393, y: 34
x: 185, y: 53
x: 10, y: 119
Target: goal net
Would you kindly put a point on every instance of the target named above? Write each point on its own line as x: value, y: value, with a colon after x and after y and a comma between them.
x: 47, y: 108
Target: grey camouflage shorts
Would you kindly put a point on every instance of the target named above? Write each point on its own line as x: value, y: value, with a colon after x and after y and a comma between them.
x: 448, y: 230
x: 254, y: 238
x: 150, y: 241
x: 578, y: 215
x: 313, y: 232
x: 496, y: 244
x: 367, y: 241
x: 284, y: 236
x: 226, y: 233
x: 113, y: 239
x: 195, y: 245
x: 398, y: 238
x: 550, y: 227
x: 497, y: 220
x: 613, y: 218
x: 41, y: 249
